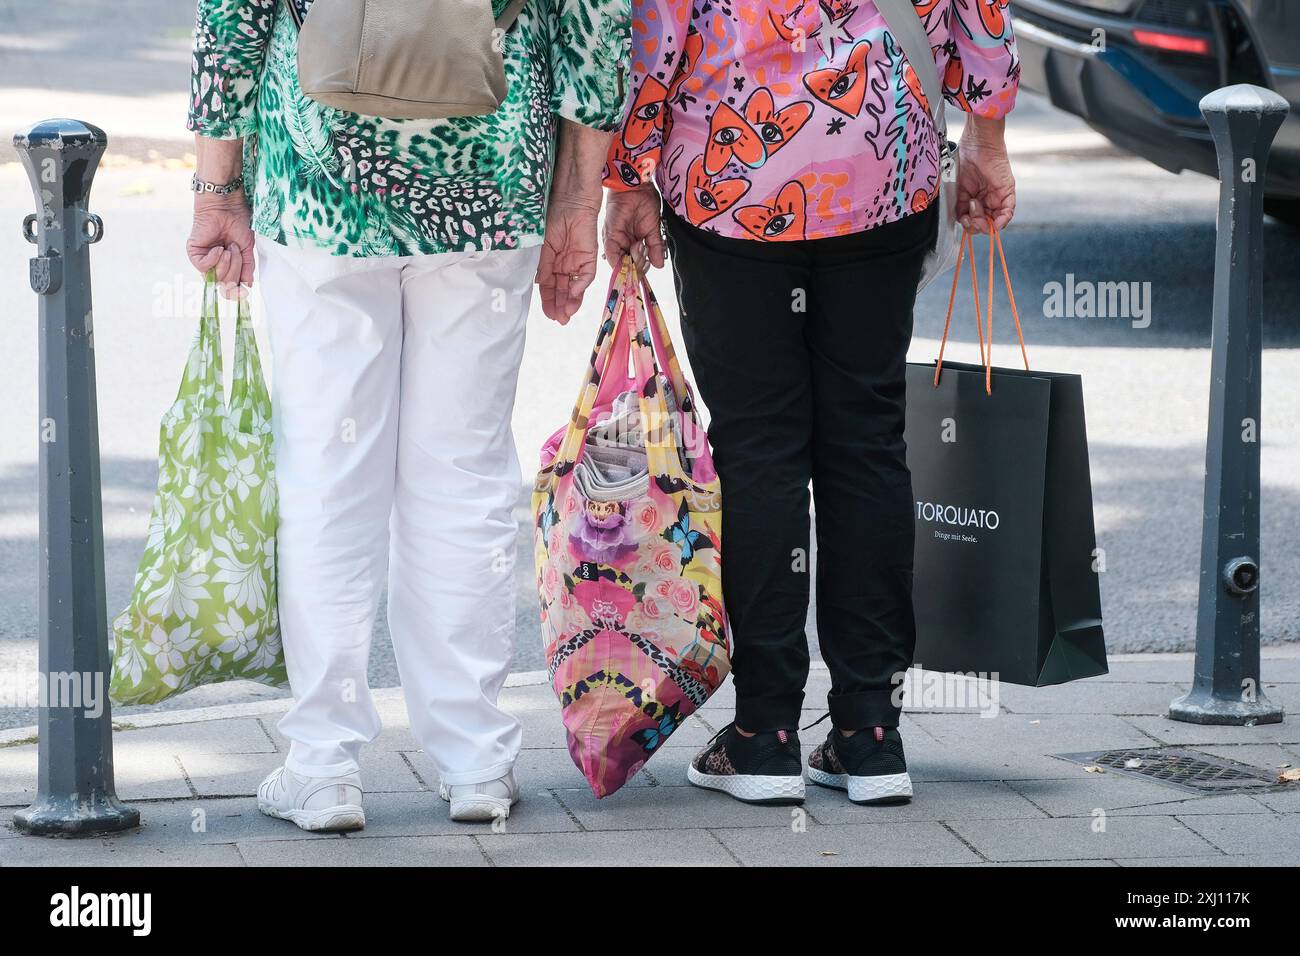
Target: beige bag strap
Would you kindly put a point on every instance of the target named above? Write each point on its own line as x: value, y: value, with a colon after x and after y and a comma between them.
x: 504, y: 22
x: 510, y: 14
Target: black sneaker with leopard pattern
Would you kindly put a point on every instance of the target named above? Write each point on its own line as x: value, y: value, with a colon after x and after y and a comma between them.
x: 869, y: 764
x: 763, y: 768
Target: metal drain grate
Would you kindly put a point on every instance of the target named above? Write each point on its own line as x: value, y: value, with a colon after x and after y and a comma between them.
x: 1188, y: 770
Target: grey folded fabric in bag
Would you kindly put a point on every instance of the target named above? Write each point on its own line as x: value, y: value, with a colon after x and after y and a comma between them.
x: 621, y: 430
x: 612, y: 474
x: 613, y: 465
x: 622, y: 427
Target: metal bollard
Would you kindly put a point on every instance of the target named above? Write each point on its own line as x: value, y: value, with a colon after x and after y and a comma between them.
x: 1226, y: 688
x: 75, y: 793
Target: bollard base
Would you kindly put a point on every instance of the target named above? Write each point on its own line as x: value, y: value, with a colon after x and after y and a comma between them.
x: 1203, y: 707
x: 101, y: 813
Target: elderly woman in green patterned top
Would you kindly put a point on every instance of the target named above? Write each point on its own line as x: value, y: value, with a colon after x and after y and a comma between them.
x: 396, y: 260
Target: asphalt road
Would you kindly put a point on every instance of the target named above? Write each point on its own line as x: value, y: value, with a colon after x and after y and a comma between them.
x: 1085, y: 210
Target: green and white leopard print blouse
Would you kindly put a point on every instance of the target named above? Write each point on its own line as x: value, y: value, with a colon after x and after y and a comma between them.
x: 365, y: 186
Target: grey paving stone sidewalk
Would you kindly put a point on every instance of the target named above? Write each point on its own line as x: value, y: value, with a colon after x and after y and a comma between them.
x: 989, y: 792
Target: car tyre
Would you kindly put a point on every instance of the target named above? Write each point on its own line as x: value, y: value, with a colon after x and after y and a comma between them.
x: 1285, y: 209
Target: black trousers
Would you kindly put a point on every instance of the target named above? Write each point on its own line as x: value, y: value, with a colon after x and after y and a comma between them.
x: 799, y: 350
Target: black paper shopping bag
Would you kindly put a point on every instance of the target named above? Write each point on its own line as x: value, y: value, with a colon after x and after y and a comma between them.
x: 1004, y: 579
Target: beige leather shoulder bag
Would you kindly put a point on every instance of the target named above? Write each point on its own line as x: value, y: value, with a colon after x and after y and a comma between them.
x: 404, y: 59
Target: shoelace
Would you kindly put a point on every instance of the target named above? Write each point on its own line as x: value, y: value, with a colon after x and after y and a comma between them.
x: 718, y: 735
x: 817, y: 721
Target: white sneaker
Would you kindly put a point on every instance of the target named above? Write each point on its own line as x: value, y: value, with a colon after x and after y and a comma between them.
x: 481, y: 801
x: 313, y: 803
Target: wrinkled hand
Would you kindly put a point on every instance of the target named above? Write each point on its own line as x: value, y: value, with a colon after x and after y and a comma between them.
x: 986, y: 187
x: 632, y: 219
x: 221, y: 240
x: 568, y: 263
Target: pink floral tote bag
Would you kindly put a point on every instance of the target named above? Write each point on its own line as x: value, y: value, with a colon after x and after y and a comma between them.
x: 629, y: 550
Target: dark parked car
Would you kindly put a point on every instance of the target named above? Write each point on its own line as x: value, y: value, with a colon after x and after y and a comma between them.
x: 1135, y: 70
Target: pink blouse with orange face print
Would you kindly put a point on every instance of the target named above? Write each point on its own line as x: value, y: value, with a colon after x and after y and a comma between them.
x: 799, y: 119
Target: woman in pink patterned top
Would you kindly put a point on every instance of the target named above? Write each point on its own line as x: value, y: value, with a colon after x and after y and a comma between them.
x: 789, y: 151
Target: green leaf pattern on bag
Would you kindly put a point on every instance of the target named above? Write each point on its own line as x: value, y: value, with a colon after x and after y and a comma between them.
x: 204, y: 605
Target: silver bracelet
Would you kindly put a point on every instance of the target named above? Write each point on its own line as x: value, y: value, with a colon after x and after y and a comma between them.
x: 217, y: 189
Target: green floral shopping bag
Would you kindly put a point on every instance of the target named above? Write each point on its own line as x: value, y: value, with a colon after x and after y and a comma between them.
x: 204, y: 606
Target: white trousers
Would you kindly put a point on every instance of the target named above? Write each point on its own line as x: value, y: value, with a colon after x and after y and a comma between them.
x: 393, y: 384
